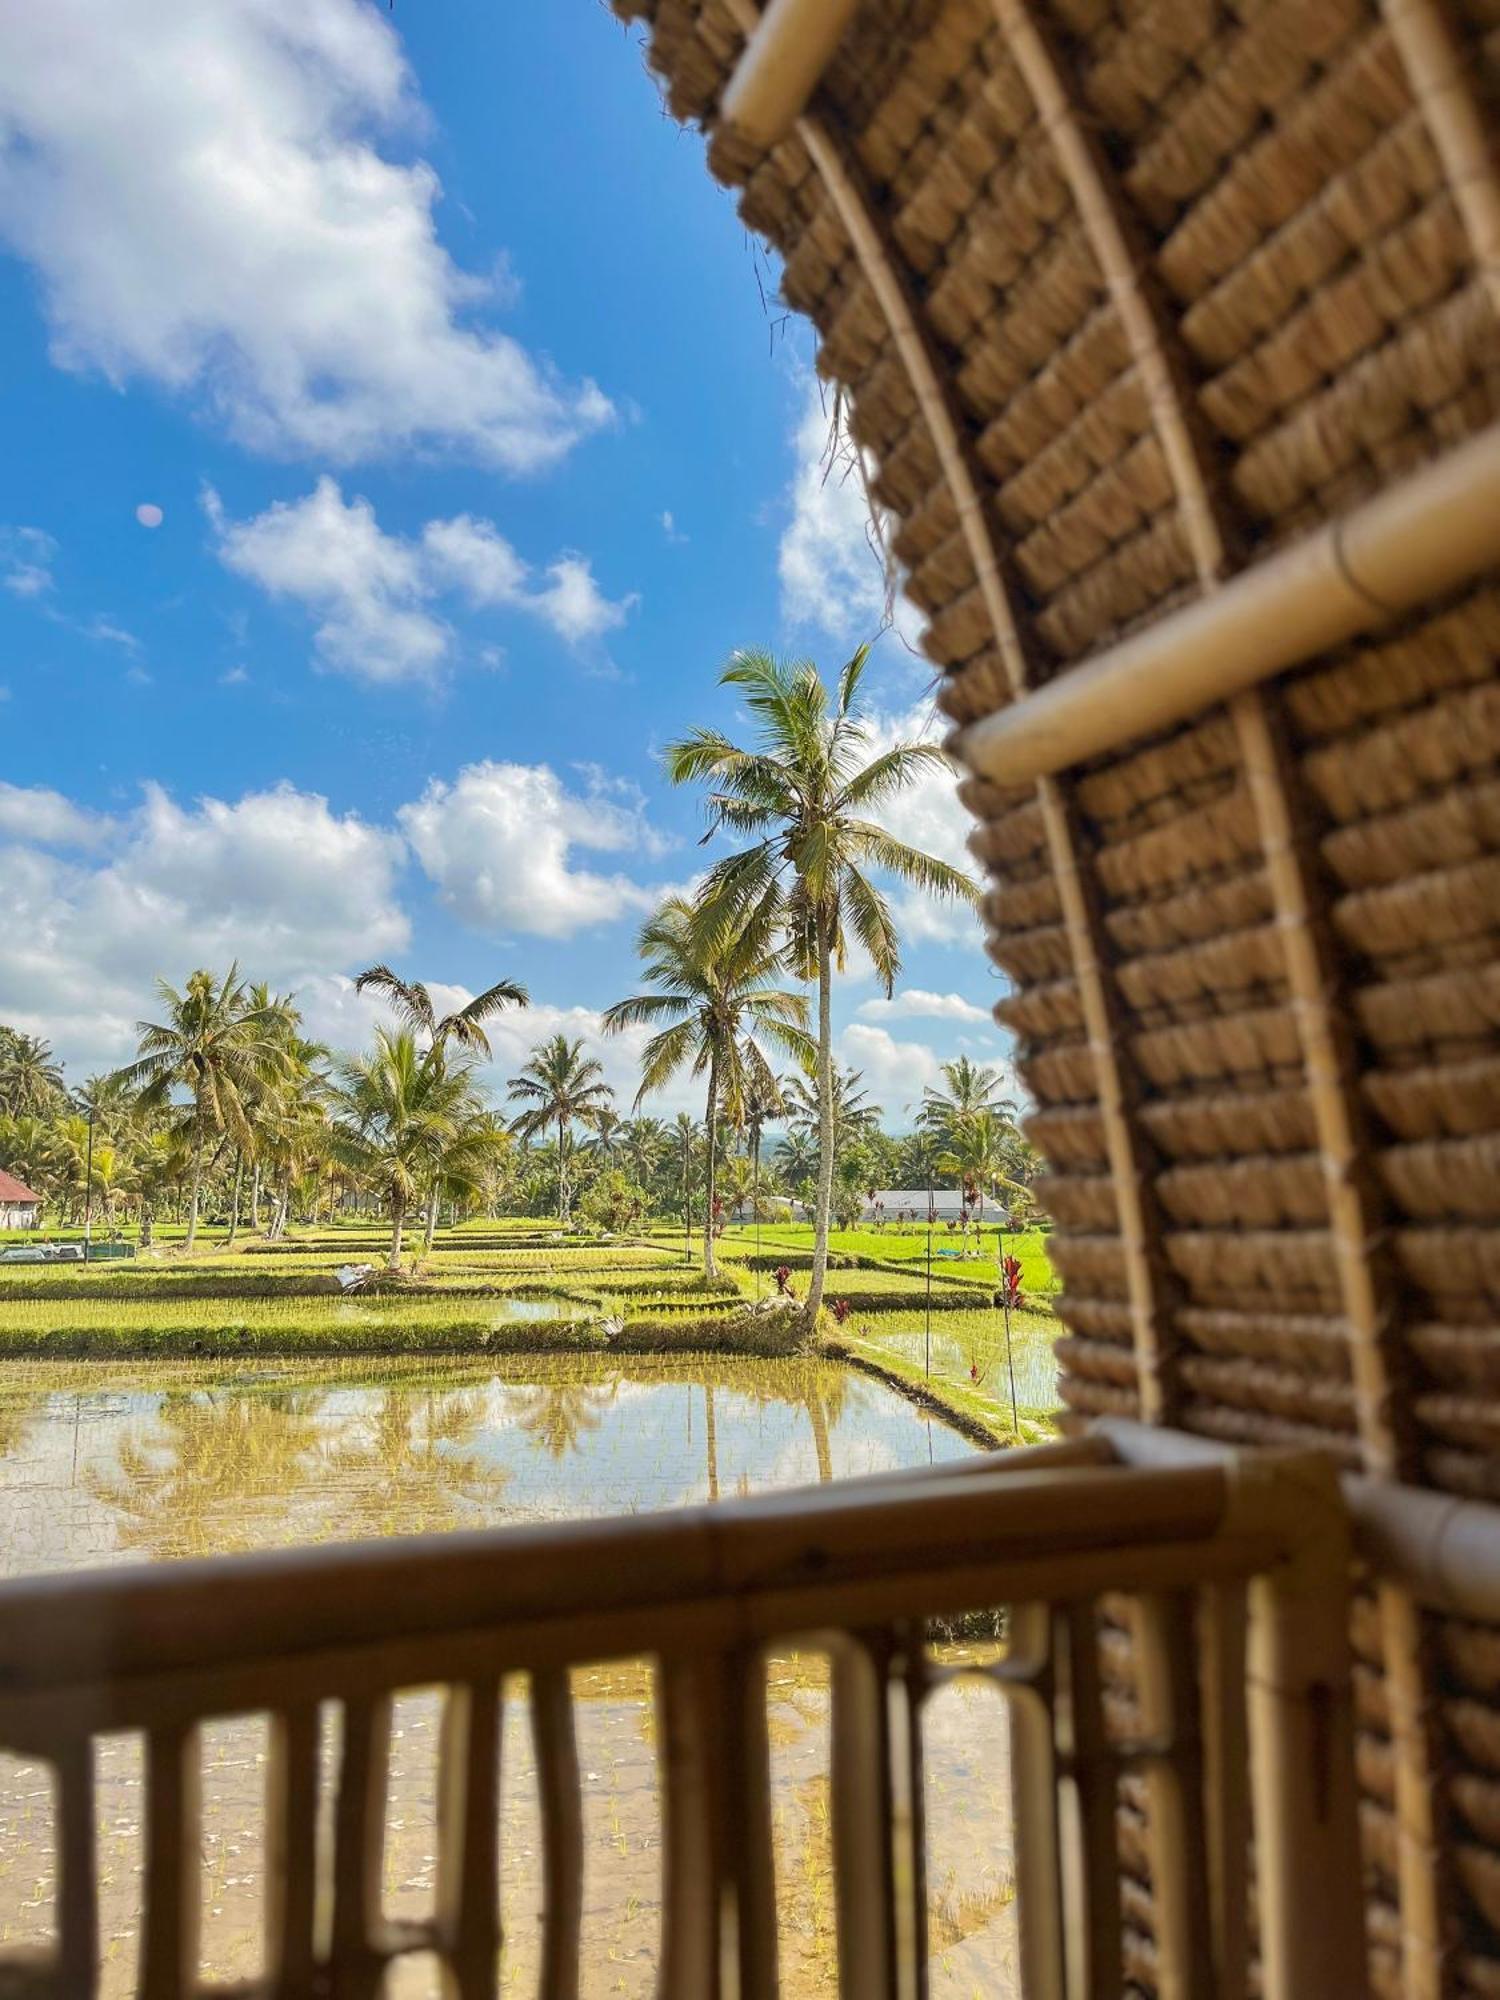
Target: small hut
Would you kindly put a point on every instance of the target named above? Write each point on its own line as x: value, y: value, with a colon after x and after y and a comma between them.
x: 20, y: 1206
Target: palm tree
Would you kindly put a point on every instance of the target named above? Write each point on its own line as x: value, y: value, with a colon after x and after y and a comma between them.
x: 218, y: 1046
x: 31, y: 1080
x: 413, y: 1006
x: 609, y: 1136
x: 853, y: 1113
x: 713, y: 1006
x: 979, y: 1153
x: 403, y: 1115
x: 804, y: 795
x: 685, y: 1134
x: 561, y: 1086
x: 646, y: 1143
x: 797, y: 1157
x: 971, y: 1087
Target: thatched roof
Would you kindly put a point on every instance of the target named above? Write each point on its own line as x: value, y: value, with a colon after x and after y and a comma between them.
x: 1171, y: 327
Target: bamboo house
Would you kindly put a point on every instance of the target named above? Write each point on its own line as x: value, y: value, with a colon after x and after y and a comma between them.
x: 1171, y: 329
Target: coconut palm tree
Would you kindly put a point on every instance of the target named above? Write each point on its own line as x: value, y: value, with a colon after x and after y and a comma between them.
x: 219, y: 1047
x: 31, y: 1080
x: 560, y: 1086
x: 971, y: 1087
x: 804, y: 796
x: 403, y: 1117
x: 853, y: 1113
x: 979, y: 1152
x: 713, y: 1009
x: 646, y: 1143
x: 609, y: 1136
x: 412, y: 1004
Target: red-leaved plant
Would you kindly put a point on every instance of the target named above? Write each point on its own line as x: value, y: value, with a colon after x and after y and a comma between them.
x: 841, y: 1310
x: 1010, y: 1283
x: 783, y: 1277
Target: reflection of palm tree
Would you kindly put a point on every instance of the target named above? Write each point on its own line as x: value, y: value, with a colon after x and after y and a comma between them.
x: 186, y: 1488
x: 819, y: 1418
x: 560, y: 1415
x: 712, y: 1429
x: 408, y: 1472
x: 17, y: 1415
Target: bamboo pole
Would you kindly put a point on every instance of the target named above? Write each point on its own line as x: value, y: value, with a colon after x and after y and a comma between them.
x: 562, y: 1832
x: 468, y: 1890
x: 359, y: 1848
x: 1439, y: 82
x: 172, y: 1883
x: 77, y: 1881
x: 788, y: 50
x: 291, y: 1857
x: 1430, y: 532
x: 1031, y: 1687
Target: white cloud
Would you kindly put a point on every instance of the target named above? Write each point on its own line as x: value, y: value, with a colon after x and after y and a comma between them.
x: 498, y: 843
x: 35, y: 813
x: 277, y: 880
x: 26, y: 558
x: 670, y: 528
x: 202, y: 191
x: 927, y: 815
x: 372, y: 594
x: 895, y: 1073
x: 832, y: 570
x: 149, y: 514
x: 914, y: 1004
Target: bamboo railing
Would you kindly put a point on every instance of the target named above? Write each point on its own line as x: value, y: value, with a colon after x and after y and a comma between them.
x: 1234, y: 1571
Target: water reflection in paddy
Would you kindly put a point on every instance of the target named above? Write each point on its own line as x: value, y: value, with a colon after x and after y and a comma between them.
x: 106, y: 1465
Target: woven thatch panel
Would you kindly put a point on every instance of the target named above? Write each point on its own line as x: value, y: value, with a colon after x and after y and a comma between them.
x: 1237, y: 279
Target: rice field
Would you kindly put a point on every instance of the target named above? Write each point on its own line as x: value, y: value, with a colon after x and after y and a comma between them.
x: 129, y: 1464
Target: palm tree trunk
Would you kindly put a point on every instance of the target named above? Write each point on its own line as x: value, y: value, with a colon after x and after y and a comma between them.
x: 562, y: 1174
x: 825, y: 1124
x: 197, y: 1186
x: 255, y: 1198
x: 234, y: 1206
x: 398, y: 1218
x: 712, y: 1439
x: 711, y: 1167
x: 432, y: 1220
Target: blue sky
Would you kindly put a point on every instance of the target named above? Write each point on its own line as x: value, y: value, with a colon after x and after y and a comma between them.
x: 402, y: 433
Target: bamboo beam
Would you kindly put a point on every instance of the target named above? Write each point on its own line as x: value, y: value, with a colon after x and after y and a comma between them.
x: 1090, y: 1861
x: 1427, y: 534
x: 291, y: 1856
x: 359, y: 1848
x: 1031, y: 1688
x: 1439, y: 81
x: 787, y: 52
x: 468, y: 1884
x: 77, y: 1872
x: 562, y: 1832
x: 172, y: 1884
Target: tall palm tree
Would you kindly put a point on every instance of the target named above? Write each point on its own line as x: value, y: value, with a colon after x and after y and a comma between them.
x: 804, y: 796
x: 216, y: 1045
x: 979, y: 1152
x: 971, y: 1087
x: 403, y: 1117
x: 560, y: 1086
x: 413, y: 1007
x: 713, y: 1007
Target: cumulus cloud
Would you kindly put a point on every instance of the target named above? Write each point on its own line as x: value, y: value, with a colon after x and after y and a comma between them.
x: 927, y: 815
x: 499, y: 843
x: 832, y: 570
x: 209, y: 194
x: 373, y: 596
x: 895, y: 1072
x: 914, y: 1004
x: 276, y: 879
x: 33, y: 812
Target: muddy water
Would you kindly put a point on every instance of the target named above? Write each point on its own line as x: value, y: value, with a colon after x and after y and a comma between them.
x: 103, y: 1466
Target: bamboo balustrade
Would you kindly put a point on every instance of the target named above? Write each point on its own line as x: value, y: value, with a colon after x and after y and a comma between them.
x: 1237, y: 1569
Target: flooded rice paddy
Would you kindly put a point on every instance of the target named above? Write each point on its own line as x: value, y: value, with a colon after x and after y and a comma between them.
x: 135, y: 1464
